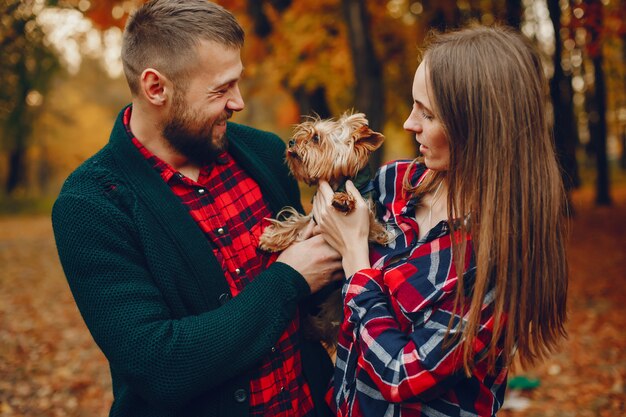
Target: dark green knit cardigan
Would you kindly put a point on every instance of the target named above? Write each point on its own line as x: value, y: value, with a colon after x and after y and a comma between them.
x: 153, y: 295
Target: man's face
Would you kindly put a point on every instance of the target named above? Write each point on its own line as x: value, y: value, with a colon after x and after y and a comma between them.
x: 196, y: 123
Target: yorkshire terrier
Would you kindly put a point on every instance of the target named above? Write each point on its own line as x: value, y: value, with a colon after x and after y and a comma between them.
x: 334, y: 151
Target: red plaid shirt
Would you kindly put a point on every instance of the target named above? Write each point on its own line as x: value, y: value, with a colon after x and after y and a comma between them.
x: 228, y: 206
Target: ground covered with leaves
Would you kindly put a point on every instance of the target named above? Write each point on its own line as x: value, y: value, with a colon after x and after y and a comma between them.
x: 50, y: 366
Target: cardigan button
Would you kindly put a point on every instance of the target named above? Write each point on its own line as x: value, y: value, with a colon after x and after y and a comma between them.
x: 223, y: 298
x: 240, y: 395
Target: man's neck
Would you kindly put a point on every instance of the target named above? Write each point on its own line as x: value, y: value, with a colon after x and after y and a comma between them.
x: 145, y: 128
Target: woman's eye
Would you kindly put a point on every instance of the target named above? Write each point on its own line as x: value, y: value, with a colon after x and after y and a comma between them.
x: 427, y: 116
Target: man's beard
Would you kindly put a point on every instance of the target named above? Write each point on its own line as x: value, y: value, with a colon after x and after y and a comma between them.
x: 192, y: 138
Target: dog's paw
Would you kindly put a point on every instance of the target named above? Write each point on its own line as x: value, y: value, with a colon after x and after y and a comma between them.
x: 343, y: 202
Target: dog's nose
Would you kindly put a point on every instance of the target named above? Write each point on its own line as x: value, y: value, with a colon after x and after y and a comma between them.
x: 292, y: 143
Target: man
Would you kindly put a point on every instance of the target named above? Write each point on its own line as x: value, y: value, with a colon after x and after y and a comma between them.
x: 158, y: 232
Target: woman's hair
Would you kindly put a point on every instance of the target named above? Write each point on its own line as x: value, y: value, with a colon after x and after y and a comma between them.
x: 488, y: 90
x: 163, y: 34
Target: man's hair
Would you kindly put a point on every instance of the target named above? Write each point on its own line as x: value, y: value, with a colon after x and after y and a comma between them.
x: 164, y: 34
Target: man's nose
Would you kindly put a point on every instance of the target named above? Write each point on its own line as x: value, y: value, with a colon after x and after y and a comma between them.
x: 235, y: 103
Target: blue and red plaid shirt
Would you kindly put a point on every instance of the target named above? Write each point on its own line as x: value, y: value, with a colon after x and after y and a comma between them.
x: 228, y: 206
x: 391, y: 359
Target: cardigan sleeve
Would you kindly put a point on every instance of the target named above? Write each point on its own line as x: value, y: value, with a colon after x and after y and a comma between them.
x: 166, y: 360
x: 405, y: 367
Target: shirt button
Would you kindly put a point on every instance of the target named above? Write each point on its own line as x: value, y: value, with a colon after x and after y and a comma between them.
x: 273, y: 349
x: 240, y: 395
x: 221, y: 231
x: 282, y: 389
x: 179, y: 175
x: 238, y: 271
x: 201, y: 191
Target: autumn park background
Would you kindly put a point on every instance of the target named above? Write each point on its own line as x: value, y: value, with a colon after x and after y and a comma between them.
x: 61, y: 87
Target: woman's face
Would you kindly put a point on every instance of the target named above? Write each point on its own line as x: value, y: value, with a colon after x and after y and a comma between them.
x: 429, y: 132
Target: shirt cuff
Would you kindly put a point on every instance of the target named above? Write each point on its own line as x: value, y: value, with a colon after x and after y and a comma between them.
x: 302, y: 287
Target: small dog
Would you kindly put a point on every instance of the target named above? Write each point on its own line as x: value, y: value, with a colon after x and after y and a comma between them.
x: 335, y: 151
x: 329, y: 150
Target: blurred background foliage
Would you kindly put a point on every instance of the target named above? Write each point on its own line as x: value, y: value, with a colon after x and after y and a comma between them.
x: 61, y: 83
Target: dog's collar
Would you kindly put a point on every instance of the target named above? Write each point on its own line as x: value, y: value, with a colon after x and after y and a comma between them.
x: 362, y: 181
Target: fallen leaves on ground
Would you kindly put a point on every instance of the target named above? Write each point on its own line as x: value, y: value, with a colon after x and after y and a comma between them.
x: 586, y: 376
x: 50, y: 366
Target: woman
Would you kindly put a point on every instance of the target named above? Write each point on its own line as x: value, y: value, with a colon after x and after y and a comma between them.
x: 477, y: 271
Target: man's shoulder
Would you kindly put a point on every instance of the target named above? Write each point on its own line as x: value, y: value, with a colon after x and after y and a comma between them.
x: 89, y: 173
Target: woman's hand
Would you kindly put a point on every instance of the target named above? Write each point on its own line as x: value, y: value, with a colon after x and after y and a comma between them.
x: 347, y: 233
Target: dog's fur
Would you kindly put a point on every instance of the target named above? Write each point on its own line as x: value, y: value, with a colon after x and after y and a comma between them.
x: 331, y: 150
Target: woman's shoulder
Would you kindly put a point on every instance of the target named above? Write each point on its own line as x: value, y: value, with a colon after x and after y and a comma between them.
x: 393, y: 173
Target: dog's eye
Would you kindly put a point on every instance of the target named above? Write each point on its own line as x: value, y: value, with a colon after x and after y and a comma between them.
x: 316, y: 138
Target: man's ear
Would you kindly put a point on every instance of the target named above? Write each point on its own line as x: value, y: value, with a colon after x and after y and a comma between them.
x: 154, y: 86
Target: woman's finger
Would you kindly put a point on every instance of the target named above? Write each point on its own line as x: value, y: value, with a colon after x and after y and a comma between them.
x: 307, y: 232
x: 327, y: 192
x: 316, y: 208
x: 351, y: 188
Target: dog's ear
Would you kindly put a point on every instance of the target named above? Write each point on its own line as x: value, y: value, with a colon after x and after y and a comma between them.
x: 368, y: 139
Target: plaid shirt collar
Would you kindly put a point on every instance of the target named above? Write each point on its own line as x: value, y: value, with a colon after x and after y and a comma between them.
x: 165, y: 170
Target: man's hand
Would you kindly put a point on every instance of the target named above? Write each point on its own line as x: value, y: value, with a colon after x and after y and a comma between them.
x: 315, y: 260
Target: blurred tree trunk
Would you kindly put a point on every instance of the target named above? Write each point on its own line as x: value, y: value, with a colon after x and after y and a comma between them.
x: 261, y: 23
x: 623, y: 133
x: 597, y: 99
x: 312, y: 102
x: 514, y: 13
x: 598, y: 129
x: 561, y: 92
x: 368, y: 73
x: 18, y: 130
x: 622, y: 160
x: 443, y: 15
x: 309, y: 102
x: 28, y: 67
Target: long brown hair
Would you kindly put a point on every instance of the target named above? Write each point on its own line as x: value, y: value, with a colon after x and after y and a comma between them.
x: 489, y: 91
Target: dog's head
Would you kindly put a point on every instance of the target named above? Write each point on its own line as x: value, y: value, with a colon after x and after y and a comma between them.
x: 331, y: 150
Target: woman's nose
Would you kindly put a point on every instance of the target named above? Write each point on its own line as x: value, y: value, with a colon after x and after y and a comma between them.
x: 412, y: 125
